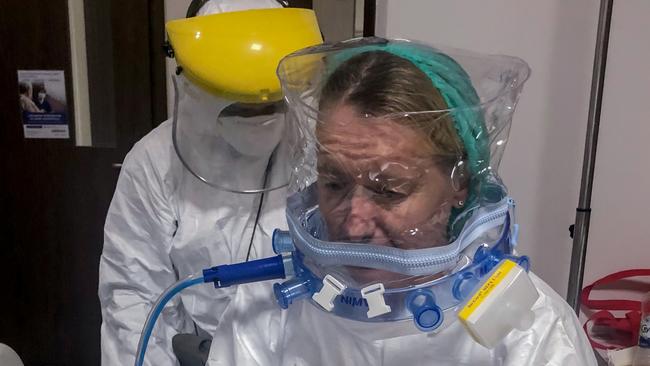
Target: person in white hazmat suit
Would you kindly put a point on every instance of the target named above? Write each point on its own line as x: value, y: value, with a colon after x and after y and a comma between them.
x: 372, y: 200
x: 204, y: 187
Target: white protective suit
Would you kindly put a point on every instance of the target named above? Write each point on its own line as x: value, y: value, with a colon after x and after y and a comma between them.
x: 253, y: 334
x: 164, y: 224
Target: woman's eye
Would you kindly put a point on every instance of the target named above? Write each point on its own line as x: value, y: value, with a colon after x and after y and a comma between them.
x: 391, y: 194
x: 334, y: 186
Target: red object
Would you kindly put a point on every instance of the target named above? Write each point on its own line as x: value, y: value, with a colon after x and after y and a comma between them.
x: 628, y: 326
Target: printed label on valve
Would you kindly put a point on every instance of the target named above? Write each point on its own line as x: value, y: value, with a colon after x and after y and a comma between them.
x: 499, y: 274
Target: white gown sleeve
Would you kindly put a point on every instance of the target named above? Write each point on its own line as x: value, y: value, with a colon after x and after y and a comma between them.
x: 135, y: 265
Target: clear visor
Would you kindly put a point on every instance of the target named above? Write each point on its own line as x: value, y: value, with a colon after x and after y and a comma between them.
x: 394, y: 154
x: 233, y: 147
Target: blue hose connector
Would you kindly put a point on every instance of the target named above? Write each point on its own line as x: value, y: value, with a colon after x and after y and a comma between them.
x: 246, y: 272
x: 295, y: 289
x: 464, y: 285
x: 427, y: 316
x: 282, y: 242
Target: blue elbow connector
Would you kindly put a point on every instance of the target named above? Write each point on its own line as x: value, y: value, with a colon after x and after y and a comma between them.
x: 246, y: 272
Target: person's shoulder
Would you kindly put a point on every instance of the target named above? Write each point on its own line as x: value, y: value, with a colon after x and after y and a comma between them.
x: 158, y: 140
x: 550, y: 306
x: 555, y: 337
x: 154, y: 149
x: 153, y: 159
x: 549, y: 298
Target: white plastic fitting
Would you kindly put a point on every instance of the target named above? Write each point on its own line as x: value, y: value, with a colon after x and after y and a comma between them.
x: 331, y: 289
x: 502, y: 303
x: 374, y: 294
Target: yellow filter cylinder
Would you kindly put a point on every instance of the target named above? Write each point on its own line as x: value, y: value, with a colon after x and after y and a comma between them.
x: 235, y: 55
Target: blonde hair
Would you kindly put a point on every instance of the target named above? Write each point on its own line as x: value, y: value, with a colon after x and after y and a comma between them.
x: 379, y: 83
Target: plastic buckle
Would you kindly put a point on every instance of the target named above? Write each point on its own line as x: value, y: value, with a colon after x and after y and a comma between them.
x: 374, y: 294
x: 331, y: 289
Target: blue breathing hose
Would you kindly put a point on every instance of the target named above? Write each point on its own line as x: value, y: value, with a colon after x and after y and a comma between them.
x: 222, y: 276
x: 157, y: 309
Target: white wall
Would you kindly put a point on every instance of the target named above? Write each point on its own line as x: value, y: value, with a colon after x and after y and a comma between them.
x: 543, y: 159
x: 618, y: 238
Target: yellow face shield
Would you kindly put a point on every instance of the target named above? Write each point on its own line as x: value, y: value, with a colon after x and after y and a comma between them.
x: 235, y: 55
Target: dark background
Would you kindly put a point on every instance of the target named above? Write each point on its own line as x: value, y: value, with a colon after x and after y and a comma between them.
x: 54, y: 196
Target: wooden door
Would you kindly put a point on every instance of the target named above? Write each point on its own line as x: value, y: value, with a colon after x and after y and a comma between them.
x: 54, y: 195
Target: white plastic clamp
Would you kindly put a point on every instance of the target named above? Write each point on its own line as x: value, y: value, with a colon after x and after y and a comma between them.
x: 331, y: 289
x: 374, y: 294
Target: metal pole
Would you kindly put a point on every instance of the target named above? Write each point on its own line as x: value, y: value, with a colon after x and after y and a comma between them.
x: 583, y: 212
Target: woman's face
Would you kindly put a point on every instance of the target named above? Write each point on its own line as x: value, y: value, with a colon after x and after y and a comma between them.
x: 379, y: 183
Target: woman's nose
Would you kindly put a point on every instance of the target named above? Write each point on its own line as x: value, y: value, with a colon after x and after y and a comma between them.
x: 360, y: 223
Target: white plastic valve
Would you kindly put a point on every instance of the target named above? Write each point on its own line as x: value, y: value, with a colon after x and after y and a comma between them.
x: 502, y: 303
x: 331, y: 289
x: 374, y: 294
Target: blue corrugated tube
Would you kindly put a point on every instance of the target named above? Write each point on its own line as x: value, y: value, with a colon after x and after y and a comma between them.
x: 222, y: 276
x: 157, y: 309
